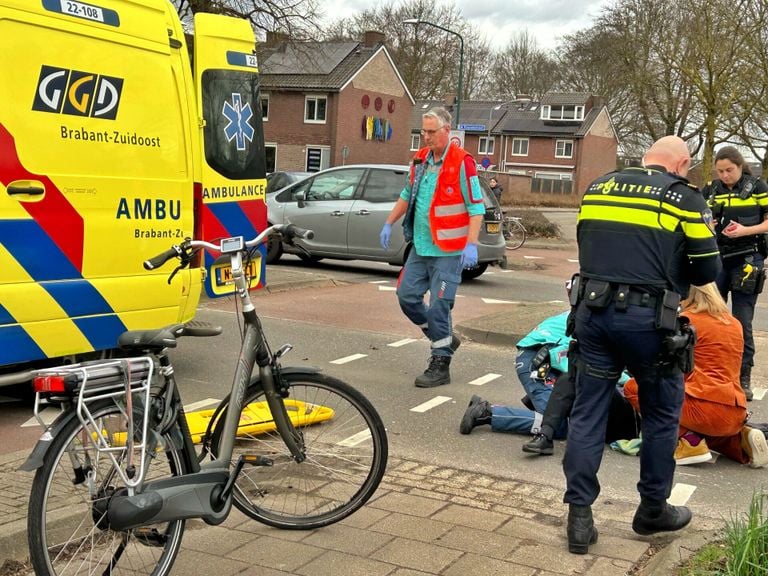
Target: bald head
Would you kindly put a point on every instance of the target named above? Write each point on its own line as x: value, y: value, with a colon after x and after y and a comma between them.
x: 670, y: 152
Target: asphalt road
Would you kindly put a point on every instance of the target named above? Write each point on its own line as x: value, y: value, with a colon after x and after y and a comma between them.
x: 359, y: 315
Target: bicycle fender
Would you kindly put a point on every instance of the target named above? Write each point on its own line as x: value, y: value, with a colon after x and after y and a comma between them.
x: 35, y: 458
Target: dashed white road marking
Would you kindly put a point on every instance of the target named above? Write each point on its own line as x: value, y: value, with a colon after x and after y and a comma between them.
x: 346, y: 359
x: 200, y: 404
x: 555, y: 302
x: 355, y: 439
x: 378, y: 282
x: 428, y: 405
x: 402, y: 342
x: 575, y: 261
x: 387, y: 289
x: 681, y: 493
x: 490, y: 377
x: 534, y: 257
x: 758, y: 393
x: 503, y: 271
x: 493, y: 301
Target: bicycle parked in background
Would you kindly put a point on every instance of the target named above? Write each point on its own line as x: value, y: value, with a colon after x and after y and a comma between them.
x: 513, y: 231
x: 117, y: 474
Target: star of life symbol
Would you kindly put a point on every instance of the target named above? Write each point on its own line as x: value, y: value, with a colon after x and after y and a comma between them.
x: 238, y: 128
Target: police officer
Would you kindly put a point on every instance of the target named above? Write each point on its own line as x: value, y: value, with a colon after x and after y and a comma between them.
x: 739, y: 203
x: 644, y: 236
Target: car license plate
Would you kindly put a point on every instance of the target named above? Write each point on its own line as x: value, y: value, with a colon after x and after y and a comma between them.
x: 223, y: 273
x: 492, y: 227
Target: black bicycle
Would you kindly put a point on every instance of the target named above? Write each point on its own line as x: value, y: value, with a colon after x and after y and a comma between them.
x: 118, y: 472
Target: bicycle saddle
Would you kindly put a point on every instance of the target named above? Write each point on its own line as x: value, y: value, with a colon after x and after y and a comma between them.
x: 153, y: 340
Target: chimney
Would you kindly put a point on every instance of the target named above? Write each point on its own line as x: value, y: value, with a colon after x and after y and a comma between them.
x: 372, y: 38
x: 275, y: 38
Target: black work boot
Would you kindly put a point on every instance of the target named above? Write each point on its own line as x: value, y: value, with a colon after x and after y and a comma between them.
x: 746, y: 378
x: 540, y: 444
x: 654, y: 516
x: 581, y: 529
x: 478, y: 412
x: 436, y: 374
x: 528, y: 403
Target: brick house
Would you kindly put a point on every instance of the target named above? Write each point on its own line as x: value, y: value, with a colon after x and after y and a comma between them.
x: 332, y: 103
x: 556, y: 145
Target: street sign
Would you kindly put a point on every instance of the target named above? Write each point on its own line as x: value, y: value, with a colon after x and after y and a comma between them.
x: 472, y: 127
x: 485, y: 162
x: 457, y: 137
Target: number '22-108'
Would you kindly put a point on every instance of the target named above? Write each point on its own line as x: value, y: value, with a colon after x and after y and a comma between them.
x: 82, y: 10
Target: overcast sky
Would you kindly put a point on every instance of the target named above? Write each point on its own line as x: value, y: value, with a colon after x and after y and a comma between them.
x: 545, y: 19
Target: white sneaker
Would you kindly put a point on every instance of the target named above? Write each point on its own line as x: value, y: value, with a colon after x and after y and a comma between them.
x: 755, y: 445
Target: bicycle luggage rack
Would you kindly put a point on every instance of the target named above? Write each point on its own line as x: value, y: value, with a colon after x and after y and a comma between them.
x: 90, y: 382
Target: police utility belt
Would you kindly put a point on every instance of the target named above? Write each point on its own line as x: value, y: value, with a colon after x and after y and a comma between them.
x: 677, y: 345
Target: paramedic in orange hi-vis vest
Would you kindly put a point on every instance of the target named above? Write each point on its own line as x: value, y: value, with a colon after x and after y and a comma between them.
x: 443, y: 208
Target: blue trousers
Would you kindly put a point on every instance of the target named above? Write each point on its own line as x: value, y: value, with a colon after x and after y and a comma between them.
x: 742, y: 306
x: 441, y: 275
x: 609, y: 341
x: 521, y: 420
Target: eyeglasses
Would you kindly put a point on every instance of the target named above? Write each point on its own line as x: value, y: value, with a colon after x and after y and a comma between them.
x: 431, y: 132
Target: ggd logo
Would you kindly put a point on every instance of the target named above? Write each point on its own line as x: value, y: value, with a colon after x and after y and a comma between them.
x: 77, y: 93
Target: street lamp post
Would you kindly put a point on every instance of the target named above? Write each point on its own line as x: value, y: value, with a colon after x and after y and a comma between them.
x: 416, y: 22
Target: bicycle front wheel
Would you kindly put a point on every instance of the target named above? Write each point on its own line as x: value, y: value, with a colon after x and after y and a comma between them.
x: 345, y: 446
x: 67, y: 525
x: 514, y: 234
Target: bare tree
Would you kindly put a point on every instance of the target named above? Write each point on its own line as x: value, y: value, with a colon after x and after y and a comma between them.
x: 524, y: 68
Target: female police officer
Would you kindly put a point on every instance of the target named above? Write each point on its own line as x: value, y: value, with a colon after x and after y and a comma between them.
x: 739, y: 203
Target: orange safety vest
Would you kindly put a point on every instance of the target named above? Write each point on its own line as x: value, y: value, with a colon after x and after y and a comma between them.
x: 448, y: 215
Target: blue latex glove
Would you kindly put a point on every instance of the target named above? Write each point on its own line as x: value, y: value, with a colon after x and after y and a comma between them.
x: 384, y: 235
x: 469, y: 256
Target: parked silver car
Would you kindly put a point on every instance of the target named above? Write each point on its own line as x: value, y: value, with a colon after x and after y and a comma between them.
x: 346, y: 207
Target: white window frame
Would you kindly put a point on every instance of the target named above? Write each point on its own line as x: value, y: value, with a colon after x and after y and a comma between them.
x: 483, y: 144
x: 316, y: 98
x: 553, y: 175
x: 415, y: 141
x: 325, y: 156
x: 565, y: 144
x: 527, y: 146
x: 264, y: 100
x: 546, y: 112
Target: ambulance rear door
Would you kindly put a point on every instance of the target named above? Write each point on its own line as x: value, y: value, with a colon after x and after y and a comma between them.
x: 233, y: 172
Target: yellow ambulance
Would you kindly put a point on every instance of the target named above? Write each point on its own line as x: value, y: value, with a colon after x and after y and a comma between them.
x: 112, y: 148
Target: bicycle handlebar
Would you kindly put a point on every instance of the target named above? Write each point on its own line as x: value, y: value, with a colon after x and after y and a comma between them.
x: 288, y: 231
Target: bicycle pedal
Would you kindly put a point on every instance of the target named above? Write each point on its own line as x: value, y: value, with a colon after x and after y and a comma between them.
x: 257, y: 460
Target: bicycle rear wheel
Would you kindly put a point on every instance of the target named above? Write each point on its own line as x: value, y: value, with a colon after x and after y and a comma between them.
x: 345, y: 446
x: 66, y: 524
x: 514, y: 233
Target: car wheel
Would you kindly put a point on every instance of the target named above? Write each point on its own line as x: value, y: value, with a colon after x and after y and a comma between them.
x: 308, y: 258
x: 274, y: 250
x: 472, y: 273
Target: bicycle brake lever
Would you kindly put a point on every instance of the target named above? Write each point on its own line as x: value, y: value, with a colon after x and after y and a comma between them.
x: 179, y: 267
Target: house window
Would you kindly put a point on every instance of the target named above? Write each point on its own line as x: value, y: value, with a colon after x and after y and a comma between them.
x: 314, y: 109
x: 415, y: 142
x: 519, y: 146
x: 318, y: 158
x: 564, y: 149
x: 554, y: 175
x: 270, y: 157
x: 265, y: 107
x: 485, y: 146
x: 562, y: 112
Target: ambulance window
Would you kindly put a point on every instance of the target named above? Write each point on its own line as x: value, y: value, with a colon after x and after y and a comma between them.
x: 234, y: 137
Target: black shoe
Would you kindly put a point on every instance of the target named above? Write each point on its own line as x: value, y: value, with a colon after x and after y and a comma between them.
x: 526, y: 400
x: 581, y: 529
x: 652, y: 517
x: 539, y: 444
x: 436, y: 374
x: 747, y: 390
x: 478, y: 412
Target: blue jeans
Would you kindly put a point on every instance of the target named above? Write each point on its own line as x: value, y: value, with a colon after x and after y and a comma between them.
x: 609, y: 341
x: 441, y: 275
x: 521, y: 420
x: 743, y: 305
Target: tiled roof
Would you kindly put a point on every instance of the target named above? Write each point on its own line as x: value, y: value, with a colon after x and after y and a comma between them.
x: 312, y: 65
x: 566, y: 98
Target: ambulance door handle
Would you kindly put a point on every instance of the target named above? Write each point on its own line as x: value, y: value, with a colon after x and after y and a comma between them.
x: 337, y: 213
x: 26, y: 187
x: 363, y: 212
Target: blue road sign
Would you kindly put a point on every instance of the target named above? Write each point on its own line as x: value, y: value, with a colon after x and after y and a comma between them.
x: 472, y: 127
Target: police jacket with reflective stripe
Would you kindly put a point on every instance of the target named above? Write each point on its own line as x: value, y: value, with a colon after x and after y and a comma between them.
x: 646, y: 228
x: 746, y: 203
